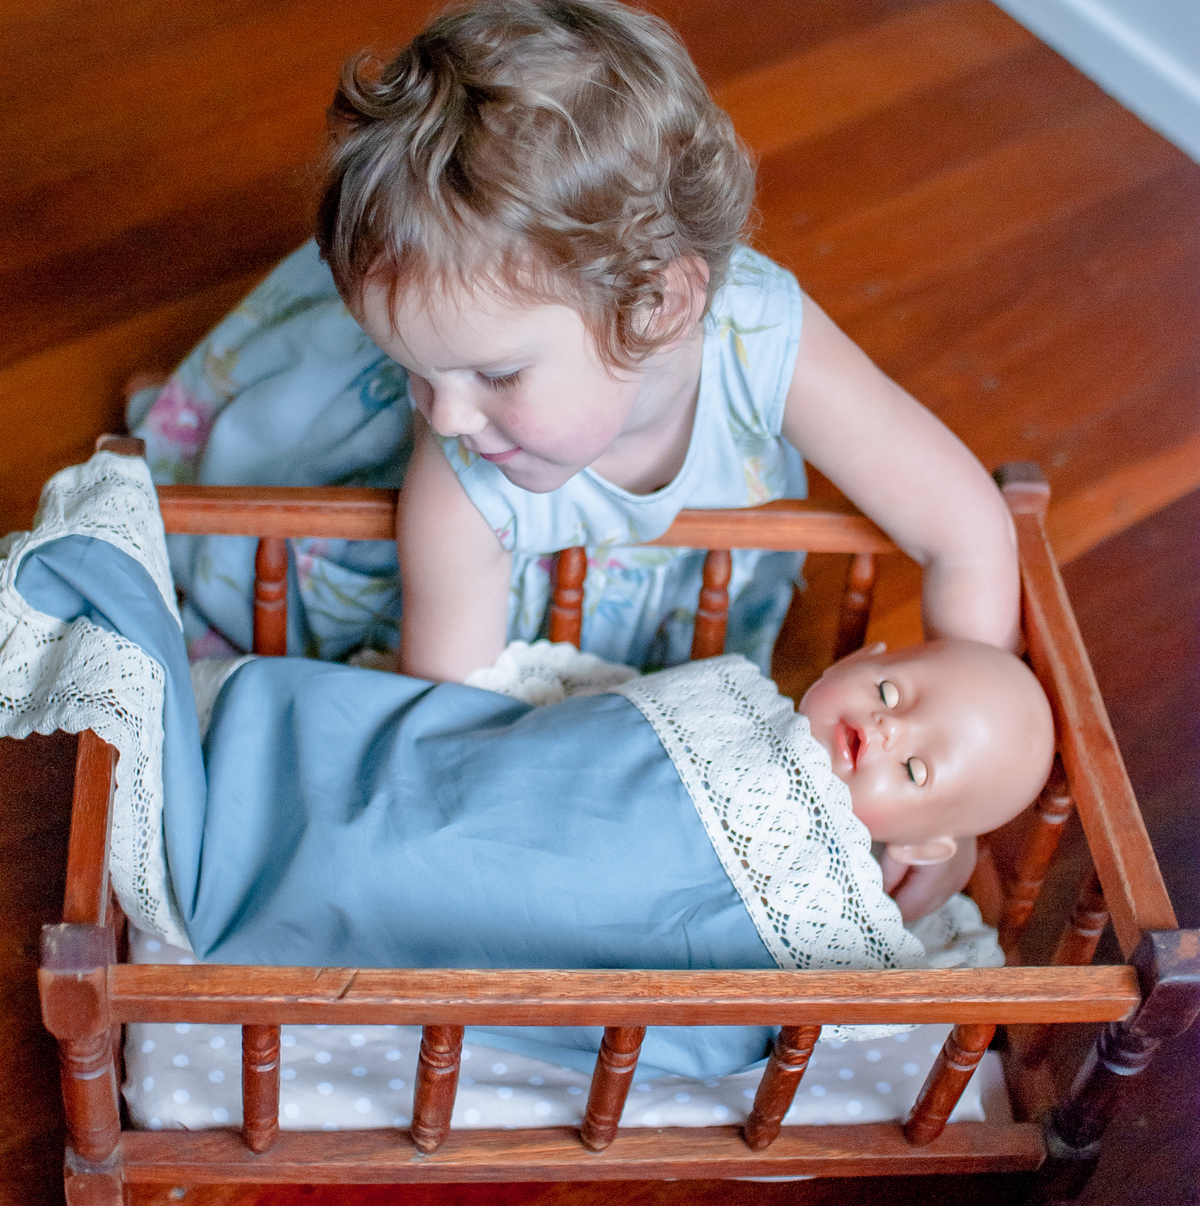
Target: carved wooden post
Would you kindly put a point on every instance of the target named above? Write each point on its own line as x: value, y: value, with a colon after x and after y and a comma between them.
x: 270, y: 597
x: 1053, y: 807
x: 1168, y: 966
x: 566, y: 604
x: 73, y: 982
x: 953, y: 1068
x: 780, y: 1080
x: 855, y: 608
x: 437, y: 1082
x: 611, y: 1079
x: 260, y: 1086
x: 712, y: 611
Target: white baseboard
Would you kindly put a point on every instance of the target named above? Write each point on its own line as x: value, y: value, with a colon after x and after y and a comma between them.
x: 1143, y: 60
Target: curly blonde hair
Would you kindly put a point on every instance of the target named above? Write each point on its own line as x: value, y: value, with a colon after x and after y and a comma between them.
x: 566, y: 150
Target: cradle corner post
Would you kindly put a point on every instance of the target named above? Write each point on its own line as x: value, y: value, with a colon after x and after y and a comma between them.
x: 1168, y: 967
x: 88, y: 1184
x: 73, y: 984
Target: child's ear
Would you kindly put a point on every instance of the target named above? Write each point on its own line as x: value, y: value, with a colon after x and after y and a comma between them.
x: 685, y: 295
x: 925, y: 854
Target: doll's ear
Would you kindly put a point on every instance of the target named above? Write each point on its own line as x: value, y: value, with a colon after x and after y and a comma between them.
x: 925, y: 854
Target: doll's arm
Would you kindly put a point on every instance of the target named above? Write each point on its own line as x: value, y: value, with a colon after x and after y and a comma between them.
x: 453, y: 570
x: 920, y: 890
x: 906, y: 470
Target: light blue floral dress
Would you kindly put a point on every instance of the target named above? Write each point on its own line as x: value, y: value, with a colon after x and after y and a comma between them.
x: 288, y: 390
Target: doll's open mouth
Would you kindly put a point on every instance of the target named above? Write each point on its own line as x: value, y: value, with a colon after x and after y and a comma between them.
x: 498, y: 458
x: 849, y: 742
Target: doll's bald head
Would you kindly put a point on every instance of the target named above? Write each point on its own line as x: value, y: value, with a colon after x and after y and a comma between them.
x: 942, y: 740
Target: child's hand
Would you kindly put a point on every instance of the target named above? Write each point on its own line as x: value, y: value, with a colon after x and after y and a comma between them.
x: 920, y: 891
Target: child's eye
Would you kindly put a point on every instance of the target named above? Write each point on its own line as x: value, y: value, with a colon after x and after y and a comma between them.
x: 505, y: 382
x: 889, y: 693
x: 918, y: 772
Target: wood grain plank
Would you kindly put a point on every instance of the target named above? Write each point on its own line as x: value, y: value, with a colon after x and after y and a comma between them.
x: 265, y: 996
x: 388, y: 1157
x: 866, y: 70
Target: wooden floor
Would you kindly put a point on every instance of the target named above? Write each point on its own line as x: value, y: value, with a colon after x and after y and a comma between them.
x: 1002, y: 237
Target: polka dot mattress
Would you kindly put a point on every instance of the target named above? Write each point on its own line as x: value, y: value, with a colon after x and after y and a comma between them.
x: 352, y: 1077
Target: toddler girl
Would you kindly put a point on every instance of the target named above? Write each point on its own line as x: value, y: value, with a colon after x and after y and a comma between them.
x: 530, y: 231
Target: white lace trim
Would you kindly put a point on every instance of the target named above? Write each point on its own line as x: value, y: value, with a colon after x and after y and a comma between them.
x: 543, y: 673
x: 78, y: 676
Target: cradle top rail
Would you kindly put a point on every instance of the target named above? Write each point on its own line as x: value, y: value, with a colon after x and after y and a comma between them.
x: 350, y: 513
x: 364, y: 996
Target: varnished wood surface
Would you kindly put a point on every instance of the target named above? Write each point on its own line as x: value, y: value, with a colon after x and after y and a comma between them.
x: 331, y: 996
x: 555, y: 1154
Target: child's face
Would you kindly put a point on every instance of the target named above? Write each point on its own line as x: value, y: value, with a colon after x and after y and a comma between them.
x: 521, y: 385
x: 943, y: 739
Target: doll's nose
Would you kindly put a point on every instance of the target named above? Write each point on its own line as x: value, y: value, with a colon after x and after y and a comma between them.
x: 888, y: 728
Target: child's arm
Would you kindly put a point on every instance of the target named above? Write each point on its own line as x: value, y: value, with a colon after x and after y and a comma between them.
x: 901, y: 466
x: 453, y: 570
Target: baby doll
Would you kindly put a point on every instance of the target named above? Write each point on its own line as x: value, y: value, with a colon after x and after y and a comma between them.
x: 947, y: 738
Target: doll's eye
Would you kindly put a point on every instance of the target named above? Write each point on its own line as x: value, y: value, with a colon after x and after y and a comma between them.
x: 918, y: 772
x: 889, y: 693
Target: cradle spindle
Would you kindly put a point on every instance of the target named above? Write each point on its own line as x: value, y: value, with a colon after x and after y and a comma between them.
x: 953, y: 1068
x: 437, y: 1083
x: 260, y: 1086
x: 1076, y: 947
x: 712, y: 611
x: 855, y: 608
x: 780, y: 1080
x: 610, y: 1085
x: 1053, y: 807
x: 270, y: 597
x: 566, y: 604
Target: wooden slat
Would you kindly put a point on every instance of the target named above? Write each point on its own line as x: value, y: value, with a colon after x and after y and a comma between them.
x: 566, y: 600
x: 611, y: 1080
x: 1053, y: 807
x: 437, y: 1083
x: 780, y: 1080
x: 955, y: 1065
x: 270, y: 597
x: 784, y: 524
x: 1133, y: 886
x: 712, y: 608
x: 86, y: 897
x: 260, y: 1086
x: 266, y: 995
x: 389, y: 1157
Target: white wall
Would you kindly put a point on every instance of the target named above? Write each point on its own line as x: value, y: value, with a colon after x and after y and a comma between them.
x: 1146, y: 53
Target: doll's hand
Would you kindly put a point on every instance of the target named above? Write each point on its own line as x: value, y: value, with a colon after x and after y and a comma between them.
x: 919, y: 891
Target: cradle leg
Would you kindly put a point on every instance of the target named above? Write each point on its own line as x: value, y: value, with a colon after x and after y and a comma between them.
x: 855, y: 609
x: 270, y: 597
x: 712, y: 611
x: 73, y: 983
x: 1053, y: 807
x: 437, y: 1083
x: 87, y: 1184
x: 610, y: 1085
x: 260, y: 1086
x: 780, y: 1080
x: 566, y: 601
x: 953, y: 1068
x: 1168, y: 965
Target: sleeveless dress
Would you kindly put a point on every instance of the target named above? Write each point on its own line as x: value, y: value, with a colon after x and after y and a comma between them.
x: 288, y: 390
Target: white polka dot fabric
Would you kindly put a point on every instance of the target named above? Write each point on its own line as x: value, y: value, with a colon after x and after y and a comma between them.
x: 351, y: 1077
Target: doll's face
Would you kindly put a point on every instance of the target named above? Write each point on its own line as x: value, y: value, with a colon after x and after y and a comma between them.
x: 948, y: 738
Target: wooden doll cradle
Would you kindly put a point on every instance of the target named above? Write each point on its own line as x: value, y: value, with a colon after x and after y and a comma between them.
x: 88, y: 994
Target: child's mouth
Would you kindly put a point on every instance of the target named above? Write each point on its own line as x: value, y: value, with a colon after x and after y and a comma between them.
x: 498, y: 458
x: 849, y: 742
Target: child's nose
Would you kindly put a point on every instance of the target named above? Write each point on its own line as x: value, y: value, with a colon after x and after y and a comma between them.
x: 452, y: 414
